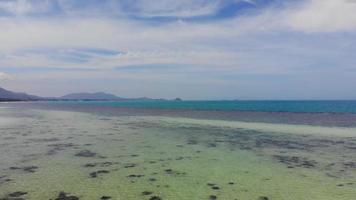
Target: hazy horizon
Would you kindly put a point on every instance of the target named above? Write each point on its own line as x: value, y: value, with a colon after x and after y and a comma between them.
x: 195, y: 50
x: 173, y: 98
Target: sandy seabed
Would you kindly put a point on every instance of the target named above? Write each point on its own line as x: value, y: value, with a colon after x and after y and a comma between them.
x: 61, y: 155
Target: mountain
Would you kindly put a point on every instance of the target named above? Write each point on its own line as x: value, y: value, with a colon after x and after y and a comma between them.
x: 6, y: 95
x: 91, y: 96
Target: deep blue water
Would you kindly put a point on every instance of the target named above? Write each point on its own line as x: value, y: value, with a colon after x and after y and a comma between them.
x: 263, y: 106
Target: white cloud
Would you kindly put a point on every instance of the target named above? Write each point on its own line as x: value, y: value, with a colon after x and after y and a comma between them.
x: 323, y: 16
x: 16, y: 7
x: 5, y: 76
x: 25, y: 7
x: 174, y: 8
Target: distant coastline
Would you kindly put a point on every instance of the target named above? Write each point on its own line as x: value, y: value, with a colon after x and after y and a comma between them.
x: 10, y: 96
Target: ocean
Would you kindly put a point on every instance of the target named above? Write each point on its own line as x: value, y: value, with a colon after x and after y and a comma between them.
x: 178, y: 150
x: 340, y: 106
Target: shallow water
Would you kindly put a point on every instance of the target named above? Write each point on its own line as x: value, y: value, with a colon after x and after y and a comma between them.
x: 91, y: 156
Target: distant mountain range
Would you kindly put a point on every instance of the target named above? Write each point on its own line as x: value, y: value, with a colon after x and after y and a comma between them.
x: 6, y: 95
x: 91, y: 96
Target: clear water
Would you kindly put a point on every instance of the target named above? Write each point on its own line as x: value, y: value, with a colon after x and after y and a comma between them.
x: 90, y: 155
x: 263, y: 106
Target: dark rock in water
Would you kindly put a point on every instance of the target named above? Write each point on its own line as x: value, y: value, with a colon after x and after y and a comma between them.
x: 294, y: 161
x: 130, y: 165
x: 179, y: 158
x: 215, y: 188
x: 45, y: 140
x: 86, y: 153
x: 155, y: 198
x: 175, y: 173
x: 350, y: 164
x: 135, y: 176
x: 17, y: 194
x: 105, y: 198
x: 65, y: 196
x: 55, y: 148
x: 28, y: 169
x: 4, y: 179
x: 152, y: 179
x: 14, y: 168
x: 192, y: 142
x: 12, y: 198
x: 212, y: 145
x: 146, y: 193
x: 231, y: 183
x: 213, y: 197
x: 90, y: 165
x: 262, y: 198
x: 100, y: 164
x: 95, y: 174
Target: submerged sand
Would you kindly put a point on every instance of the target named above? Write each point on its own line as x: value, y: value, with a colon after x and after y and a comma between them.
x: 92, y: 157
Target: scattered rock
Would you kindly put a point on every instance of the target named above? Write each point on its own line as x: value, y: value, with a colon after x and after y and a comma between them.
x: 145, y: 193
x: 215, y: 188
x: 211, y: 145
x: 65, y: 196
x: 192, y: 142
x: 135, y: 176
x: 294, y: 161
x: 100, y: 164
x: 86, y: 153
x: 17, y: 194
x: 173, y: 172
x: 130, y: 165
x: 28, y: 169
x: 155, y: 198
x: 213, y: 197
x: 95, y: 174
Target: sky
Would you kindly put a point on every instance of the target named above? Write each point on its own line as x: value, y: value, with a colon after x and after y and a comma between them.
x: 193, y: 49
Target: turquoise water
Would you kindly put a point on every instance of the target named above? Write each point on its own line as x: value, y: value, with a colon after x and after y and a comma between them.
x: 264, y: 106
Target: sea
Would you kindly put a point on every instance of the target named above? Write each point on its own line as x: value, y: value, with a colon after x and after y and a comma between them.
x: 178, y: 150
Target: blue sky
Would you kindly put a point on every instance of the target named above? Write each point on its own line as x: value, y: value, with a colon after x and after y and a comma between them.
x: 194, y: 49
